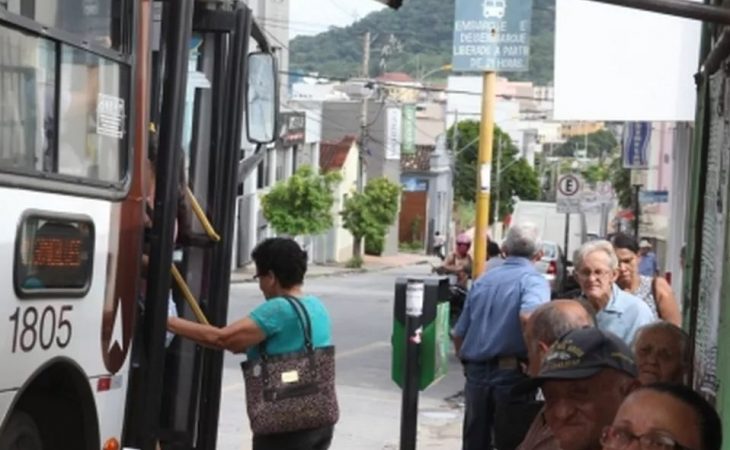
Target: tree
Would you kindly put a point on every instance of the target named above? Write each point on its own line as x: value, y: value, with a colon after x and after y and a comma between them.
x: 596, y: 173
x: 368, y: 215
x: 621, y: 181
x: 601, y: 144
x: 517, y: 178
x: 301, y: 204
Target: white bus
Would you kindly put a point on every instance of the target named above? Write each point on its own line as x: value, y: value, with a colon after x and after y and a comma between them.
x: 84, y: 365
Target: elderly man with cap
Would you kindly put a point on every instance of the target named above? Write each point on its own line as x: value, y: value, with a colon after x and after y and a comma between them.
x: 545, y: 326
x: 585, y: 376
x: 488, y: 335
x: 648, y: 265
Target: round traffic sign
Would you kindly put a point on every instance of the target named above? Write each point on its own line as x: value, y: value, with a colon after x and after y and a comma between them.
x: 569, y: 185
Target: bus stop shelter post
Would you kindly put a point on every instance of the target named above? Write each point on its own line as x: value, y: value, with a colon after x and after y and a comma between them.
x: 412, y: 372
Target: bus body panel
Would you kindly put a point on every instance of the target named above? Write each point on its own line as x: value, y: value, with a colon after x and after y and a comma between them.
x: 37, y: 330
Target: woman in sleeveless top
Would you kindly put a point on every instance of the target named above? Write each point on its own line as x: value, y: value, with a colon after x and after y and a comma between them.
x: 655, y: 291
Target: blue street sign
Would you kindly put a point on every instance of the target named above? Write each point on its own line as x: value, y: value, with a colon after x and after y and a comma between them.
x: 411, y: 184
x: 637, y: 136
x: 653, y: 196
x: 492, y: 35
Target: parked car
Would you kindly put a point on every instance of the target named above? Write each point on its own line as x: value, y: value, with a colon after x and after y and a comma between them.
x: 552, y: 266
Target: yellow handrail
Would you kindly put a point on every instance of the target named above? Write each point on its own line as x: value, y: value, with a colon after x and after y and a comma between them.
x: 189, y: 297
x: 200, y: 214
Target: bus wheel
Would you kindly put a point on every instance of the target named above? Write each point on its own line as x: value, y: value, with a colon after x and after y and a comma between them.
x: 21, y: 433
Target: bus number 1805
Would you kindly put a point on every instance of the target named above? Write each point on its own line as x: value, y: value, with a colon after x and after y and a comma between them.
x: 45, y: 328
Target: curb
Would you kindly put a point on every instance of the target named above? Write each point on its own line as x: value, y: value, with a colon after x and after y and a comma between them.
x: 341, y: 272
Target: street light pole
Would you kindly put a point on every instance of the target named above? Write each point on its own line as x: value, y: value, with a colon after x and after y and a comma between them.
x: 364, y: 110
x: 637, y: 209
x: 497, y: 181
x: 445, y: 67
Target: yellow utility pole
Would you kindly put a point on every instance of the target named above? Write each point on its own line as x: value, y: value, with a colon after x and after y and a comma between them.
x: 486, y: 136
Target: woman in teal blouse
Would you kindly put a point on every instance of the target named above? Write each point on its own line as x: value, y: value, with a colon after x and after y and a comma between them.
x: 280, y: 268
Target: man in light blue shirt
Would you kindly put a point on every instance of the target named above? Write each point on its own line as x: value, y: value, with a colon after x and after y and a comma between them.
x: 618, y: 311
x: 488, y: 335
x: 648, y: 265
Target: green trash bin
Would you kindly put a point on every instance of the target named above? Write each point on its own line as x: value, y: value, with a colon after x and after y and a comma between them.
x: 435, y: 338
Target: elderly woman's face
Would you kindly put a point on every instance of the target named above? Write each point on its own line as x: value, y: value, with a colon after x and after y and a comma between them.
x: 657, y: 418
x: 659, y: 357
x: 596, y: 276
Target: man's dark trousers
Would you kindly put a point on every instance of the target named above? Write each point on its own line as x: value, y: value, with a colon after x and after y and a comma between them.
x: 486, y: 386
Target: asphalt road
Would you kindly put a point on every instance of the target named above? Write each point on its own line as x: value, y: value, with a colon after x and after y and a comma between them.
x: 361, y: 307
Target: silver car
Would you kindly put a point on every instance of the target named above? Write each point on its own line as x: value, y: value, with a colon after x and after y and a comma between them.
x: 552, y: 266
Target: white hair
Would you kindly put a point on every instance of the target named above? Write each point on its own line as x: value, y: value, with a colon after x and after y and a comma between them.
x: 597, y: 246
x: 522, y: 240
x: 677, y: 333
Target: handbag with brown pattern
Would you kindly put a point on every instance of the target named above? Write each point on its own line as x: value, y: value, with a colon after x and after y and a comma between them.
x: 292, y: 391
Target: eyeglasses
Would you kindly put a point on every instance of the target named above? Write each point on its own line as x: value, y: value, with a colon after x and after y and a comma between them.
x: 598, y: 273
x: 620, y: 438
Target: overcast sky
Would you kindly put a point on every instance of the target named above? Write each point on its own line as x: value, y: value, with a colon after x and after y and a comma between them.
x: 310, y: 17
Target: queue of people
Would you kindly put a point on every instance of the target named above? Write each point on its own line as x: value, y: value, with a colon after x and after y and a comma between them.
x: 608, y: 369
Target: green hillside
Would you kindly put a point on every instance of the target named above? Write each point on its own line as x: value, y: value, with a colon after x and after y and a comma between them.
x: 424, y: 28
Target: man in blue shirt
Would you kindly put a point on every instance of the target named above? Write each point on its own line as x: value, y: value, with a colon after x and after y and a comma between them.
x: 488, y: 335
x: 648, y: 265
x: 596, y: 269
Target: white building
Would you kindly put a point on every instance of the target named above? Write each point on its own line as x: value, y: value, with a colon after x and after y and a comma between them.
x: 521, y: 110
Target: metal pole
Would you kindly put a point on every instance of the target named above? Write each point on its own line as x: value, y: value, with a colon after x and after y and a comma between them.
x: 637, y: 209
x: 412, y: 372
x: 486, y: 135
x: 455, y: 144
x: 680, y: 8
x: 566, y: 239
x: 498, y: 181
x: 364, y: 110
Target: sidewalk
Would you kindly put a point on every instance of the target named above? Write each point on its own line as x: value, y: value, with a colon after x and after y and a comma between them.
x: 370, y: 264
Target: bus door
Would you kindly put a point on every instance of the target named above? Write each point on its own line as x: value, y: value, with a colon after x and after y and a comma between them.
x: 214, y: 106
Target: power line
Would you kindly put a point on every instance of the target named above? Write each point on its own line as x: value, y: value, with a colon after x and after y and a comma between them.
x: 418, y: 88
x: 350, y: 14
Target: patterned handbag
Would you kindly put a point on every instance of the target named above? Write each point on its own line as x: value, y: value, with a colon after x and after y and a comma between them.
x: 293, y: 391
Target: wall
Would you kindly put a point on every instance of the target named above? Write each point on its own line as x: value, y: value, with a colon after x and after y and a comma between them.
x: 342, y: 118
x: 679, y: 199
x: 273, y: 17
x: 343, y: 238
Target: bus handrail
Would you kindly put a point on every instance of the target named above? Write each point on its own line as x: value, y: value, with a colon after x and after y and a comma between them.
x: 200, y: 214
x: 188, y: 295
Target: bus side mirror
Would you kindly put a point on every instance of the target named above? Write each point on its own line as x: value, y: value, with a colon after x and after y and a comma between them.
x: 262, y: 98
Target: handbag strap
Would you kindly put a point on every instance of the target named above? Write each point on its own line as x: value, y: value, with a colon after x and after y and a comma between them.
x: 304, y: 321
x: 303, y: 317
